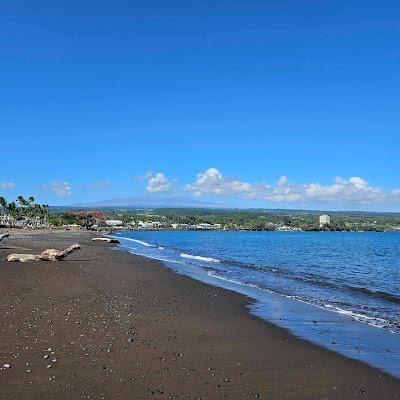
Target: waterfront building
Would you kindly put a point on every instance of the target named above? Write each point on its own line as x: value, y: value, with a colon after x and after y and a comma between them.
x: 114, y: 222
x: 324, y: 219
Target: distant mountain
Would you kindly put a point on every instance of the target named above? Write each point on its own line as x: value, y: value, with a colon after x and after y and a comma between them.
x: 150, y: 202
x: 176, y: 202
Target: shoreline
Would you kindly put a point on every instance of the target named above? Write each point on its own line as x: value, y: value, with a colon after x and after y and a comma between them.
x: 169, y: 335
x: 332, y: 328
x: 127, y: 229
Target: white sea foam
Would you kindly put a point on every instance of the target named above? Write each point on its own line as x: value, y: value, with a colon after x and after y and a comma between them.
x: 372, y: 321
x: 142, y: 242
x: 375, y: 321
x: 241, y: 283
x: 153, y: 257
x: 200, y: 258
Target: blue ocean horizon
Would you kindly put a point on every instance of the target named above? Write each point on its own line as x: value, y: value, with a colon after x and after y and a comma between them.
x: 340, y: 290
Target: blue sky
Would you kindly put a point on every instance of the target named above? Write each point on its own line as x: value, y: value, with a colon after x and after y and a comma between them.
x: 236, y: 94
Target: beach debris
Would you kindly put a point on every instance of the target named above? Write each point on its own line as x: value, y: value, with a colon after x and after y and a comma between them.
x: 47, y: 255
x: 3, y: 236
x: 22, y: 257
x: 56, y: 255
x: 6, y: 366
x: 106, y: 239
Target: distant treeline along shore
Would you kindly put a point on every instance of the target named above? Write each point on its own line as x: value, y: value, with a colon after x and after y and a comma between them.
x: 26, y: 213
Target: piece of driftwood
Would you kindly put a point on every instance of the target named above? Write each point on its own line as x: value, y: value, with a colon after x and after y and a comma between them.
x: 47, y: 255
x: 106, y: 239
x: 3, y: 236
x: 22, y: 257
x: 55, y: 255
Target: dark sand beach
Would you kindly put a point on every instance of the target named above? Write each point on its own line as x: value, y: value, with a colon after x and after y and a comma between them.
x: 104, y: 324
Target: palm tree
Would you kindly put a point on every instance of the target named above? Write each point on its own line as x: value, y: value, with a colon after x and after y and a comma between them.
x: 33, y: 212
x: 42, y: 213
x: 12, y: 209
x: 21, y: 200
x: 45, y: 209
x: 3, y: 204
x: 27, y: 206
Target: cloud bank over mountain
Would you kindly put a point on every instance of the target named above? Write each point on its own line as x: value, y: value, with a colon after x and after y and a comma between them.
x: 352, y: 190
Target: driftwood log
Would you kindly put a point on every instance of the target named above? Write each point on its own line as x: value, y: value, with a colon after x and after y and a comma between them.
x: 47, y: 255
x: 105, y: 239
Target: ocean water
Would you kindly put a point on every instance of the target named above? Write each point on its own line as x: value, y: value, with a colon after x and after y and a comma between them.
x: 340, y: 290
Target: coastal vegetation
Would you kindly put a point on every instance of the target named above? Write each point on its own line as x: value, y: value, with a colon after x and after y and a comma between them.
x: 27, y: 212
x: 229, y: 219
x: 85, y: 218
x: 23, y: 211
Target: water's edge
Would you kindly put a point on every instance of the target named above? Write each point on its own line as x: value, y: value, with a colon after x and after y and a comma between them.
x: 339, y: 333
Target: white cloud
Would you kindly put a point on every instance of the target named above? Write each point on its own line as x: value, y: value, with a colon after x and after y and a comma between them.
x: 60, y: 188
x: 354, y: 189
x: 212, y: 182
x: 158, y: 183
x: 7, y: 185
x: 341, y: 191
x: 283, y: 180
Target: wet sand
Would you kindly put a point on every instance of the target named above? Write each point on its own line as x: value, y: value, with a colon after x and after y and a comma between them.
x: 104, y: 324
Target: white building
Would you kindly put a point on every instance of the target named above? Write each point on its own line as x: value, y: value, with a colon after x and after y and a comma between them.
x: 205, y: 226
x: 114, y: 222
x: 180, y: 226
x: 324, y: 219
